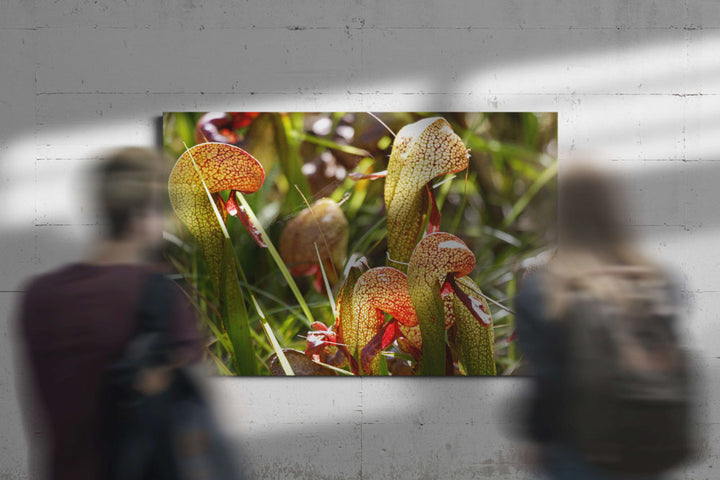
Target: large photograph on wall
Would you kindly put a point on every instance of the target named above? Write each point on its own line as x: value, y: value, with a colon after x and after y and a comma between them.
x: 359, y: 243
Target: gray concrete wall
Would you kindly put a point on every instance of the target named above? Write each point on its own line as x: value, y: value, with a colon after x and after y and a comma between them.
x: 637, y: 81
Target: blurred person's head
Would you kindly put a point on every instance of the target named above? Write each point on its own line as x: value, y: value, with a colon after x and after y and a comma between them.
x: 593, y: 242
x: 131, y: 192
x: 589, y: 210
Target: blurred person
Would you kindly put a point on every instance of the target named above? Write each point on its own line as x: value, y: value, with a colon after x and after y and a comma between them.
x: 596, y: 325
x: 76, y: 321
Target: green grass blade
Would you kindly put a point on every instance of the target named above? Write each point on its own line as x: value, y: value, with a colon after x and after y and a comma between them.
x: 268, y: 331
x: 185, y: 127
x: 547, y: 175
x: 288, y: 149
x: 325, y: 279
x: 221, y: 337
x: 336, y: 369
x: 302, y: 136
x: 359, y: 189
x: 276, y: 257
x: 284, y: 307
x: 278, y: 350
x: 360, y: 245
x: 222, y: 368
x: 293, y: 308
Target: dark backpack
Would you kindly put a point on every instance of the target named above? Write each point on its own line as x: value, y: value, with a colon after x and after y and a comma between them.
x: 627, y: 398
x: 169, y: 436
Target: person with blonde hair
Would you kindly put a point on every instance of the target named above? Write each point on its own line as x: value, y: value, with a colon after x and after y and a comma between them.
x: 76, y: 321
x: 597, y: 327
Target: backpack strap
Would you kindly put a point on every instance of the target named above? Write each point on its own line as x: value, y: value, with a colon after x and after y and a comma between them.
x: 151, y: 344
x: 153, y: 308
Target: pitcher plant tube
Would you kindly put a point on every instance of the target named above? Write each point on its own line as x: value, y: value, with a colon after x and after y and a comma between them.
x: 443, y: 298
x: 194, y: 186
x: 421, y: 152
x: 378, y: 291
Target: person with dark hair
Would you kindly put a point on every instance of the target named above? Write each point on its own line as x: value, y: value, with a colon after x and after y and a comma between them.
x: 597, y: 327
x: 76, y: 321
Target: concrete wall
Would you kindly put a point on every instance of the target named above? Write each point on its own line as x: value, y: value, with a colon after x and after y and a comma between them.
x: 638, y: 81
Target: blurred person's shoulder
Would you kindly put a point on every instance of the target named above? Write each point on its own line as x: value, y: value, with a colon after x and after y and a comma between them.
x: 84, y: 275
x: 75, y: 286
x: 113, y: 284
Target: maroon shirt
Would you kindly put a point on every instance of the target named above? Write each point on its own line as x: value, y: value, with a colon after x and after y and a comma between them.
x: 75, y: 322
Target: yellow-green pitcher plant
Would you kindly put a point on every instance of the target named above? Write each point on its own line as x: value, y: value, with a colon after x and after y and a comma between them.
x: 421, y: 152
x: 194, y: 186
